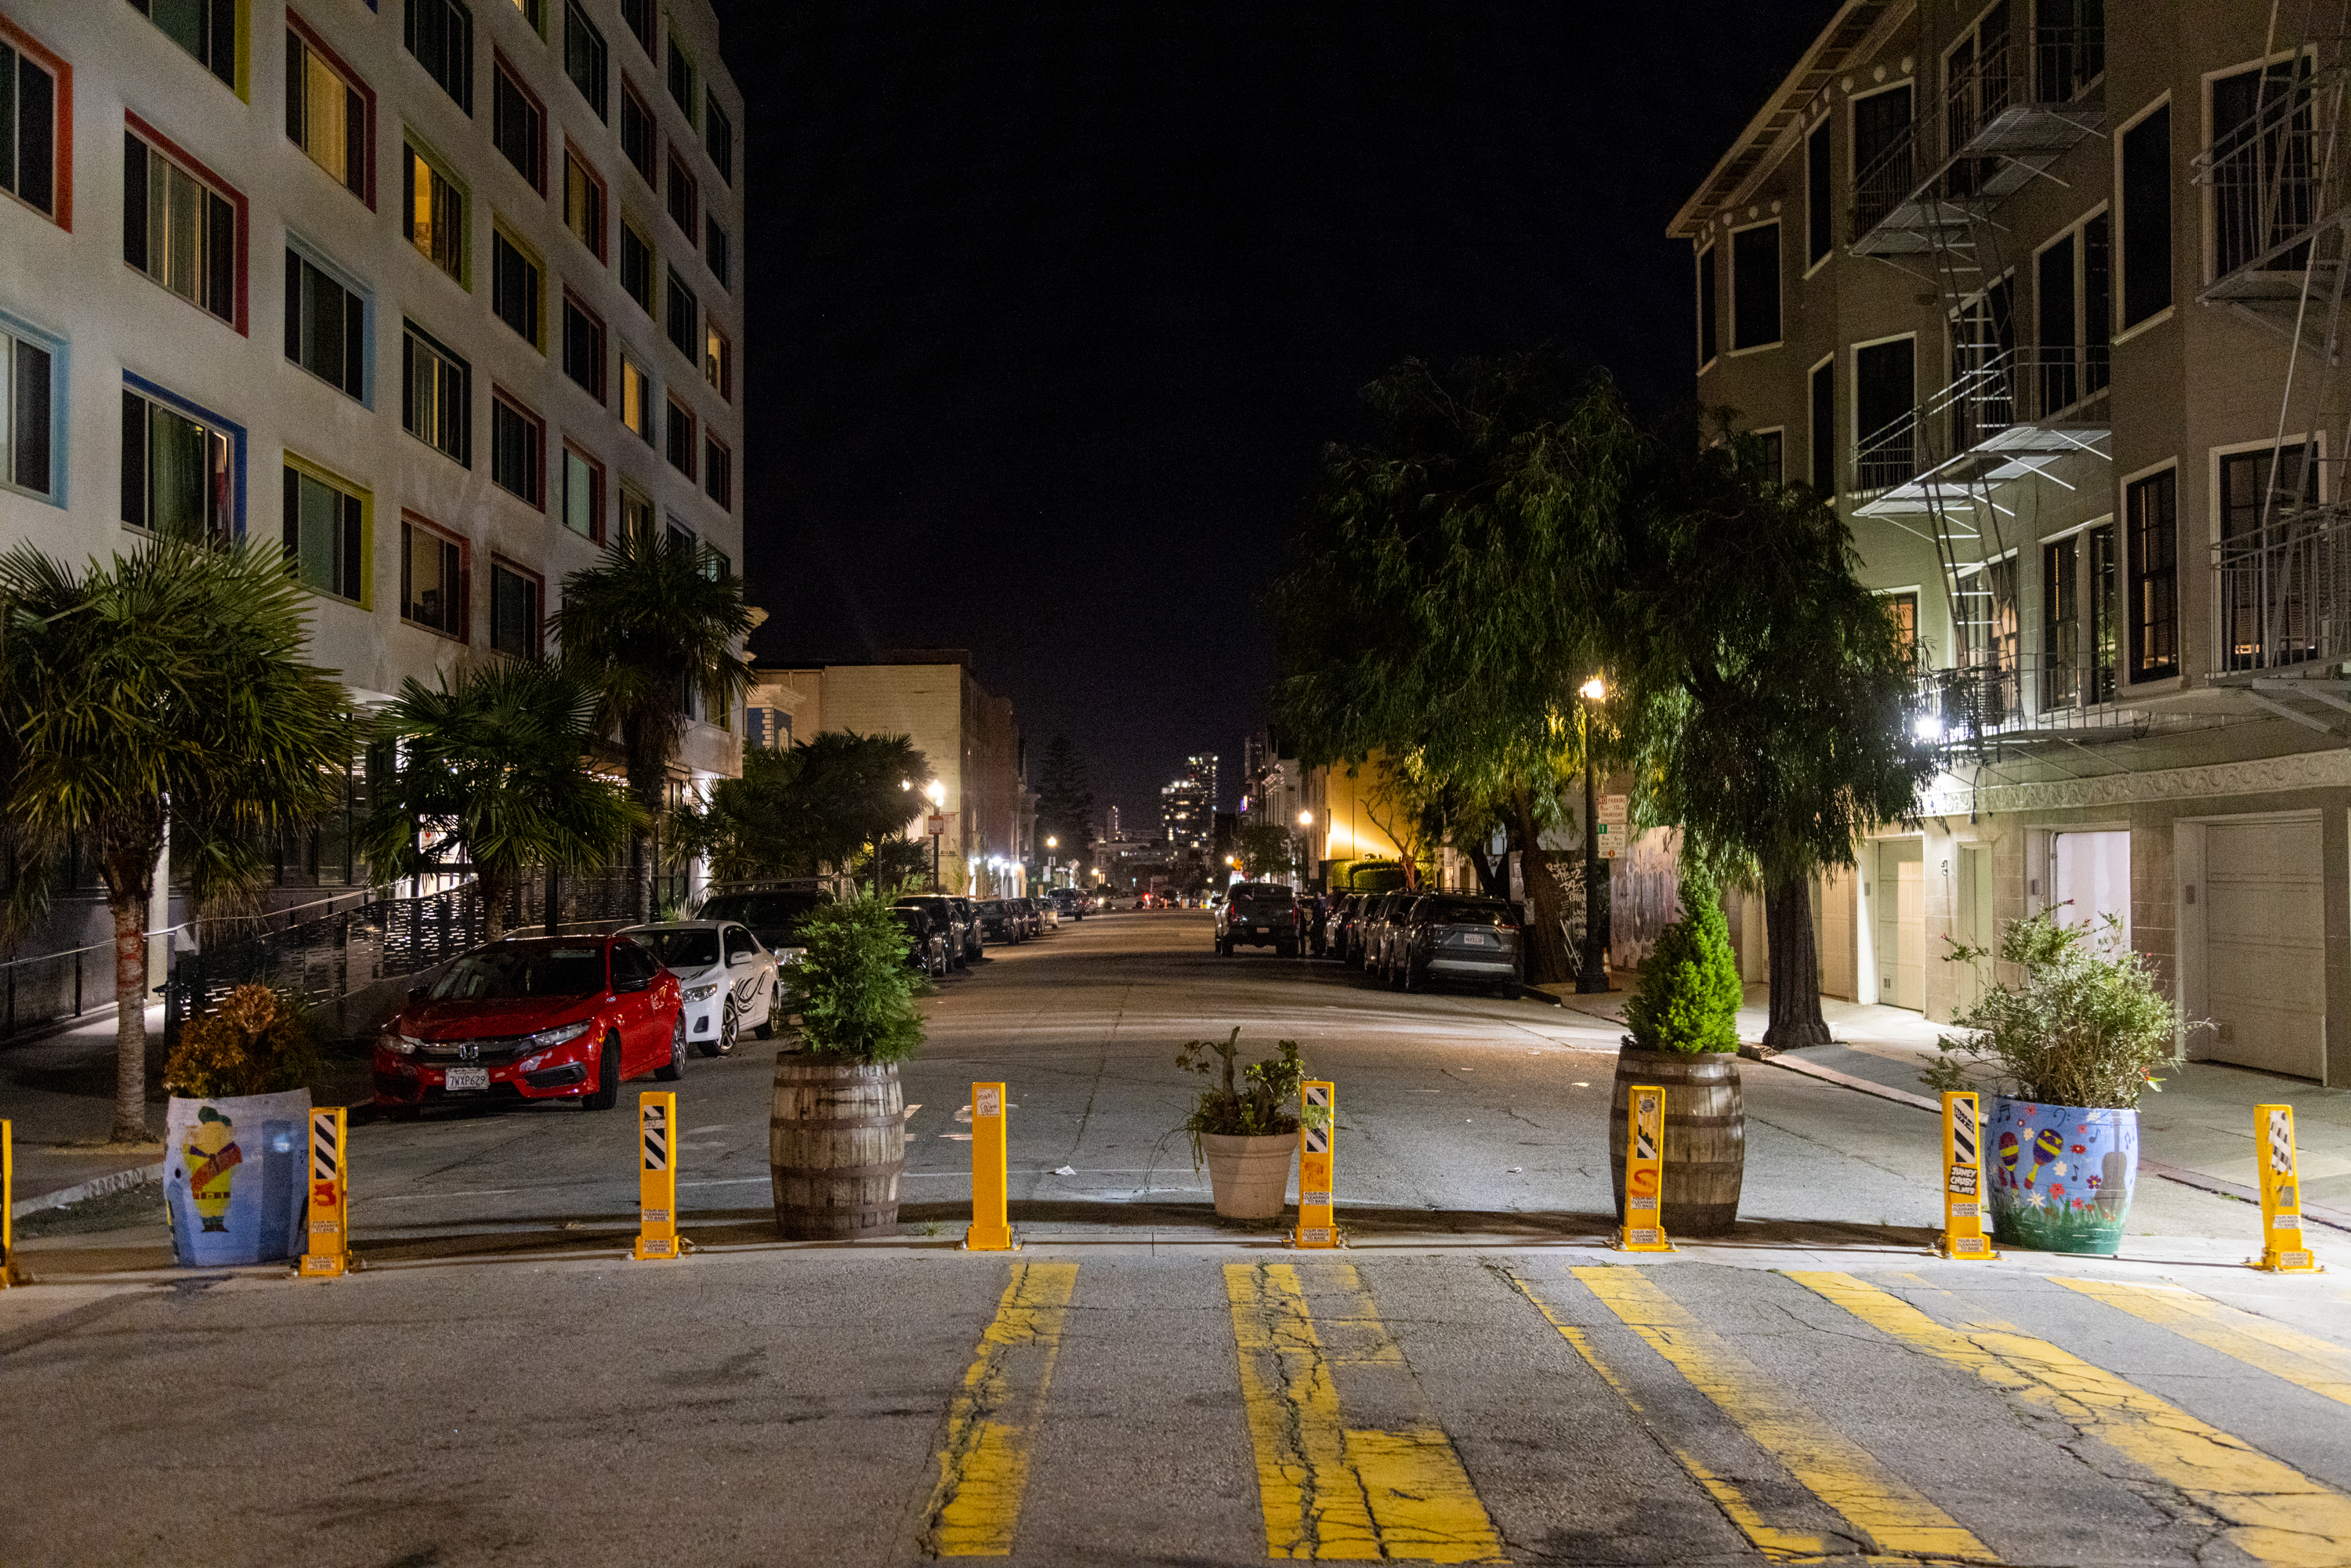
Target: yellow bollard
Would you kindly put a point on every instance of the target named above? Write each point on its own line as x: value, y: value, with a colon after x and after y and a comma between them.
x: 1317, y: 1118
x: 657, y: 1176
x: 2283, y: 1251
x: 328, y: 1253
x: 1644, y: 1229
x: 1963, y: 1183
x: 7, y: 1205
x: 991, y: 1221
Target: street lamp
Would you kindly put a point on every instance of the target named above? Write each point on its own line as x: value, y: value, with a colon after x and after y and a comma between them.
x: 1589, y: 975
x: 1305, y: 819
x: 936, y: 793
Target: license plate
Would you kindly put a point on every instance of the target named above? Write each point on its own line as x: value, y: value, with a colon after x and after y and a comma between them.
x: 460, y: 1080
x: 1264, y: 928
x: 1478, y: 939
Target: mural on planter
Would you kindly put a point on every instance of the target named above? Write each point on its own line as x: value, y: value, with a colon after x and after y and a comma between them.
x: 233, y: 1177
x: 2062, y: 1177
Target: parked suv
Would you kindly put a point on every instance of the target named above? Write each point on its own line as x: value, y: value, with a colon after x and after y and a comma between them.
x: 949, y: 919
x: 1458, y: 936
x: 1387, y: 912
x: 1000, y: 918
x: 973, y: 940
x: 1260, y: 913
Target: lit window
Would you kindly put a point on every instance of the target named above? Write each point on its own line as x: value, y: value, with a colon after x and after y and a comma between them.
x: 205, y: 28
x: 532, y: 14
x: 583, y: 494
x: 325, y: 532
x: 28, y: 401
x: 436, y: 213
x: 176, y: 472
x: 327, y: 115
x: 583, y: 202
x: 28, y: 130
x: 719, y: 362
x: 636, y: 515
x: 436, y: 395
x: 584, y: 56
x: 432, y: 579
x: 179, y: 228
x: 440, y: 34
x: 518, y: 447
x: 326, y: 326
x: 637, y: 400
x: 514, y: 611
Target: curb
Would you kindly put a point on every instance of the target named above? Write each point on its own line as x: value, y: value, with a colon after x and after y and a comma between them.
x: 97, y: 1187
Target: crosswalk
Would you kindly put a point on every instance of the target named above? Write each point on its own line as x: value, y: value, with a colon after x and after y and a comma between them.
x: 1813, y: 1417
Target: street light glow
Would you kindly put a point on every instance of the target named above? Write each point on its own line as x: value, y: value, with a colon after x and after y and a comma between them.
x: 1051, y: 842
x: 936, y: 791
x: 1305, y: 819
x: 1594, y: 690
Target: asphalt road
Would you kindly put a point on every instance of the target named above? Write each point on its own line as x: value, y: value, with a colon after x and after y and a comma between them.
x: 1477, y: 1378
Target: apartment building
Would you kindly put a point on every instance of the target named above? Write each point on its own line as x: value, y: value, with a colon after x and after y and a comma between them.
x: 441, y: 293
x: 2047, y: 296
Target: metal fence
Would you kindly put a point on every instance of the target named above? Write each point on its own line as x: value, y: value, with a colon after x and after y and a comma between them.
x: 2281, y: 593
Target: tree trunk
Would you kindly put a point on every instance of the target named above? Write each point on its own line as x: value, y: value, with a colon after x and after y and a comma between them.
x: 640, y: 874
x: 1796, y: 1019
x: 493, y: 904
x: 1547, y: 960
x: 1489, y: 876
x: 129, y: 907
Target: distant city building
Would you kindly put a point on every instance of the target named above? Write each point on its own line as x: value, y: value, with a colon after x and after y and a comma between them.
x: 1185, y: 808
x: 1113, y: 822
x: 1202, y: 772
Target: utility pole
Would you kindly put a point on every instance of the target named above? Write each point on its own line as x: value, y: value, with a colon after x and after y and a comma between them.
x: 1592, y: 970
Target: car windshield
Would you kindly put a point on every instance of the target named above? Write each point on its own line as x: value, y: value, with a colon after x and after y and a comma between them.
x: 991, y: 906
x: 1468, y: 912
x: 504, y: 973
x: 774, y: 917
x: 680, y: 948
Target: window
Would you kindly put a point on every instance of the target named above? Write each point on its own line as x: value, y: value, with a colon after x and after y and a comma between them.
x: 326, y: 326
x: 2072, y: 316
x: 1885, y: 155
x: 2071, y: 43
x: 440, y: 34
x: 681, y: 80
x: 636, y: 400
x: 584, y: 58
x: 1755, y: 286
x: 517, y: 450
x: 718, y: 362
x: 28, y: 406
x: 176, y: 478
x: 1820, y: 196
x: 2250, y: 502
x: 637, y: 15
x: 1982, y: 337
x: 205, y: 28
x: 1707, y: 339
x: 1823, y: 426
x: 2153, y: 525
x: 2060, y: 621
x: 432, y: 593
x: 324, y: 535
x: 181, y: 229
x: 637, y: 266
x: 28, y: 127
x: 2262, y: 167
x: 719, y: 137
x: 2105, y: 615
x: 435, y: 206
x: 2146, y: 189
x: 636, y: 130
x: 717, y: 472
x: 636, y: 515
x: 684, y: 198
x: 533, y: 13
x: 514, y: 611
x: 515, y: 287
x: 517, y: 123
x: 1979, y: 80
x: 583, y: 346
x: 583, y: 202
x: 583, y: 494
x: 715, y: 245
x: 1775, y: 448
x: 1885, y: 386
x: 681, y: 452
x: 436, y: 395
x: 685, y: 315
x: 1985, y: 633
x: 1902, y: 609
x: 327, y: 115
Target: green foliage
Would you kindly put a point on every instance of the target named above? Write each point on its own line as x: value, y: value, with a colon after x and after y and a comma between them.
x: 257, y: 1041
x: 2086, y: 1026
x: 797, y: 812
x: 854, y: 990
x: 1260, y: 1102
x: 1689, y: 993
x: 1065, y: 801
x: 1265, y: 850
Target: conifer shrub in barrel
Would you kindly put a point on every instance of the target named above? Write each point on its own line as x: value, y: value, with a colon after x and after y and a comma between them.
x: 837, y: 1135
x: 1684, y: 1018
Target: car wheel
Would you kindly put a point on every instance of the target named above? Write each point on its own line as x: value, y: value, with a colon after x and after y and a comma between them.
x: 1411, y: 979
x: 766, y: 1028
x: 676, y: 1068
x: 730, y: 1025
x: 606, y: 1092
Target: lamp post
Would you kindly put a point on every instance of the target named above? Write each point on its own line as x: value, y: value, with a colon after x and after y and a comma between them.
x: 938, y: 793
x: 1589, y: 974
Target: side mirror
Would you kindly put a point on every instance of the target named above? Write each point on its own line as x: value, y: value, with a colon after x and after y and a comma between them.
x: 416, y: 993
x: 743, y: 958
x: 638, y: 984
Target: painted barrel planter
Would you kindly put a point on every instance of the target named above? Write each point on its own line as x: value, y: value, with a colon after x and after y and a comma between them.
x: 836, y: 1147
x: 2061, y: 1176
x: 1249, y: 1175
x: 1706, y: 1136
x: 236, y: 1174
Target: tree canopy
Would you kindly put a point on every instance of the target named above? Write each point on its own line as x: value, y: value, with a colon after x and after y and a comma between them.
x: 824, y: 804
x: 1065, y: 799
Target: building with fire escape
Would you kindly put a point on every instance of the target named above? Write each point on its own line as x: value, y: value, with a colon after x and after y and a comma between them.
x: 2055, y: 314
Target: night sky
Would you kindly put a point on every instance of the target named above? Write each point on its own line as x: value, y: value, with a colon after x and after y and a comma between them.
x: 1052, y: 306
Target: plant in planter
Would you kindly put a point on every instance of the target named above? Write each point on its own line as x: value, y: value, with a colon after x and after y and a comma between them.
x: 1685, y: 1022
x: 2072, y: 1047
x: 237, y: 1133
x: 1245, y: 1125
x: 837, y: 1140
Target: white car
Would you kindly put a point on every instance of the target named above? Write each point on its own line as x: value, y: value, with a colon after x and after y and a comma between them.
x: 729, y: 978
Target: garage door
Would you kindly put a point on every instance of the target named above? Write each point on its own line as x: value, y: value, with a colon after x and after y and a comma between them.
x: 2264, y: 954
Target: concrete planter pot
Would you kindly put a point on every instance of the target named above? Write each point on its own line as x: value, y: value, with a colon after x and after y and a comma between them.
x: 1249, y: 1175
x: 235, y: 1177
x: 2061, y: 1176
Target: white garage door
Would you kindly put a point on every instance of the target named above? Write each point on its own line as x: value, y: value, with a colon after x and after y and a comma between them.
x: 2264, y: 951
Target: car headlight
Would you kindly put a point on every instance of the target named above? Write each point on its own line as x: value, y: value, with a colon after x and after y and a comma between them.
x: 703, y: 993
x: 401, y: 1045
x: 560, y: 1033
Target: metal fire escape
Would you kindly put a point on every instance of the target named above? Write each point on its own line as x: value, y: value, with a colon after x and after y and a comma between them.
x: 2010, y: 105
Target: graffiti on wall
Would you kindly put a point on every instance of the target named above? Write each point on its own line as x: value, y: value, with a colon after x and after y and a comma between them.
x: 1643, y: 895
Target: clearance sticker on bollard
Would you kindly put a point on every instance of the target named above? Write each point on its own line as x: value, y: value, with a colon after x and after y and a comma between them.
x: 1317, y: 1113
x: 1963, y: 1194
x: 992, y: 1222
x: 7, y: 1203
x: 1644, y: 1229
x: 2283, y: 1251
x: 657, y: 1176
x: 328, y: 1253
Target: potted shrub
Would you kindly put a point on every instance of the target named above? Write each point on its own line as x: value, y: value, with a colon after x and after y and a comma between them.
x: 2072, y: 1047
x: 1685, y: 1021
x: 1245, y: 1124
x: 837, y: 1139
x: 236, y: 1137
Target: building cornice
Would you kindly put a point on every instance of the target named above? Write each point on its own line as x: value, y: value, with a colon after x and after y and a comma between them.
x: 1952, y: 796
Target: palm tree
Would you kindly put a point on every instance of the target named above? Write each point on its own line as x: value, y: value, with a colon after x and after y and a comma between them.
x: 655, y: 624
x: 496, y: 765
x: 168, y: 685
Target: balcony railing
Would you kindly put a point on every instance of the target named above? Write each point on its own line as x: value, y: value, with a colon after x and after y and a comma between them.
x: 2013, y: 388
x: 2266, y: 177
x: 2282, y: 594
x: 1885, y: 182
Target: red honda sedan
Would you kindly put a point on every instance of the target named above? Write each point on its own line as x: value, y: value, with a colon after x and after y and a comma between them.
x: 534, y: 1018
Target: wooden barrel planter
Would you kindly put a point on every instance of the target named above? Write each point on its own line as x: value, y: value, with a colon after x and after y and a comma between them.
x: 1706, y: 1136
x: 836, y: 1149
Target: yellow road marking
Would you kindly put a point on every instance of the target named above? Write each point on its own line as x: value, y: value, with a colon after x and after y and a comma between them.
x: 2281, y: 1351
x: 1777, y: 1545
x: 1838, y: 1471
x: 2275, y: 1512
x: 992, y: 1425
x: 1328, y: 1492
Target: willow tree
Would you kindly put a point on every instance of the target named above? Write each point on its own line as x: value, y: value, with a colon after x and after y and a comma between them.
x: 794, y: 812
x: 1451, y: 590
